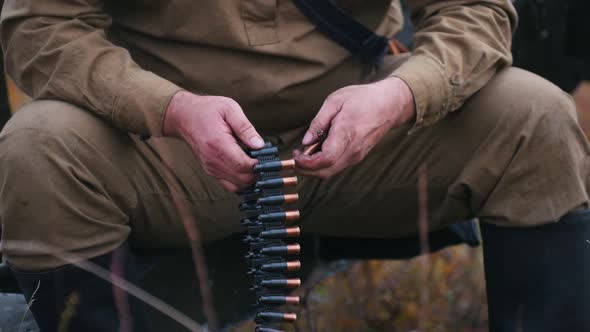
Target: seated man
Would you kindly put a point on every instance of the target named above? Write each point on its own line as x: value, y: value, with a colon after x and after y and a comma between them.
x: 200, y: 77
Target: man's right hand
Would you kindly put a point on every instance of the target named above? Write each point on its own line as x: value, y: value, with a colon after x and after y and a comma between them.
x: 208, y: 125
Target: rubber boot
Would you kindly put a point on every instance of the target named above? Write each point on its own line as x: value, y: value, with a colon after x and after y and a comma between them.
x: 71, y: 299
x: 538, y: 279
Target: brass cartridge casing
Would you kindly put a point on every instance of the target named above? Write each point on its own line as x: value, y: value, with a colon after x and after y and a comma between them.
x: 293, y: 283
x: 310, y: 149
x: 291, y: 198
x: 281, y: 283
x: 275, y: 166
x: 290, y: 317
x: 276, y: 317
x: 292, y: 215
x: 282, y: 266
x: 288, y: 164
x: 292, y: 299
x: 293, y: 266
x: 293, y: 249
x: 290, y: 181
x: 278, y: 199
x: 293, y: 231
x: 279, y: 300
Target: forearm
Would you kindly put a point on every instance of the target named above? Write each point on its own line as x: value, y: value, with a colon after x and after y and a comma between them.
x: 459, y: 46
x: 66, y: 56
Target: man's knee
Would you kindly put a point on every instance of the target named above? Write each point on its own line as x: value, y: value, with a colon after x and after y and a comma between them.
x: 518, y: 110
x: 530, y: 164
x: 31, y: 136
x: 53, y: 167
x: 44, y: 130
x: 517, y: 98
x: 39, y: 121
x: 541, y: 115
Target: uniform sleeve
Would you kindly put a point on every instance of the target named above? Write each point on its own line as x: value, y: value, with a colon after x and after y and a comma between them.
x: 58, y: 49
x: 459, y: 46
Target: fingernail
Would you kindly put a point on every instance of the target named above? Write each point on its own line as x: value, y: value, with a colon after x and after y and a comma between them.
x: 257, y: 142
x: 307, y: 138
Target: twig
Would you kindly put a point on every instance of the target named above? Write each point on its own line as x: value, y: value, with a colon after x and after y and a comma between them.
x: 195, y: 243
x: 424, y: 245
x: 121, y: 300
x: 29, y: 304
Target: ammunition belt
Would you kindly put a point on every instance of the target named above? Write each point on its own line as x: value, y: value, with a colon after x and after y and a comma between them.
x: 272, y: 252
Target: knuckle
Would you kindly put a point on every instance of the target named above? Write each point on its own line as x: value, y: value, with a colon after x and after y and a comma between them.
x: 317, y: 123
x: 334, y: 97
x: 222, y: 104
x: 228, y: 104
x: 239, y: 165
x: 347, y: 120
x: 214, y: 166
x: 341, y: 120
x: 244, y: 127
x: 329, y: 159
x: 356, y: 156
x: 229, y: 187
x: 210, y: 168
x: 212, y: 143
x: 231, y: 103
x: 304, y: 163
x: 246, y: 180
x: 360, y: 158
x: 228, y: 109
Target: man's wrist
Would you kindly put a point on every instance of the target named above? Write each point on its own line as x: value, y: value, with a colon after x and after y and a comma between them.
x: 171, y: 125
x: 403, y: 97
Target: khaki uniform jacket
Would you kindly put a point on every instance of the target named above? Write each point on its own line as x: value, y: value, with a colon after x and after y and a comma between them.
x: 124, y: 60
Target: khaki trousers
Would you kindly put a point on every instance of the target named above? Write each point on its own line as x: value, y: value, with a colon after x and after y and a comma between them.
x: 514, y: 155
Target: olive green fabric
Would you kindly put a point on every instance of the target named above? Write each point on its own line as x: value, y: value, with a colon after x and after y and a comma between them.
x: 513, y: 155
x: 124, y: 60
x: 74, y: 176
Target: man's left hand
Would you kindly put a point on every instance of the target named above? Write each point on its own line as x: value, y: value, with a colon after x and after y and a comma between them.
x: 356, y: 117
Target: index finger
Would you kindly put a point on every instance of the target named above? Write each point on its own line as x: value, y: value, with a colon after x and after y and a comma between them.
x: 234, y: 157
x: 332, y: 149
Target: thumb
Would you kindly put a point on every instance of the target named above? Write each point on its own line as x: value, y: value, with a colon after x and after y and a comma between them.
x: 242, y: 127
x: 322, y: 120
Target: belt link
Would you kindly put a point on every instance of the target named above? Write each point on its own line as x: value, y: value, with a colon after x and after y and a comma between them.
x: 272, y: 252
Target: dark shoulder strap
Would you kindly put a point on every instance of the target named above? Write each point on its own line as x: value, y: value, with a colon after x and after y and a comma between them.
x: 344, y: 30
